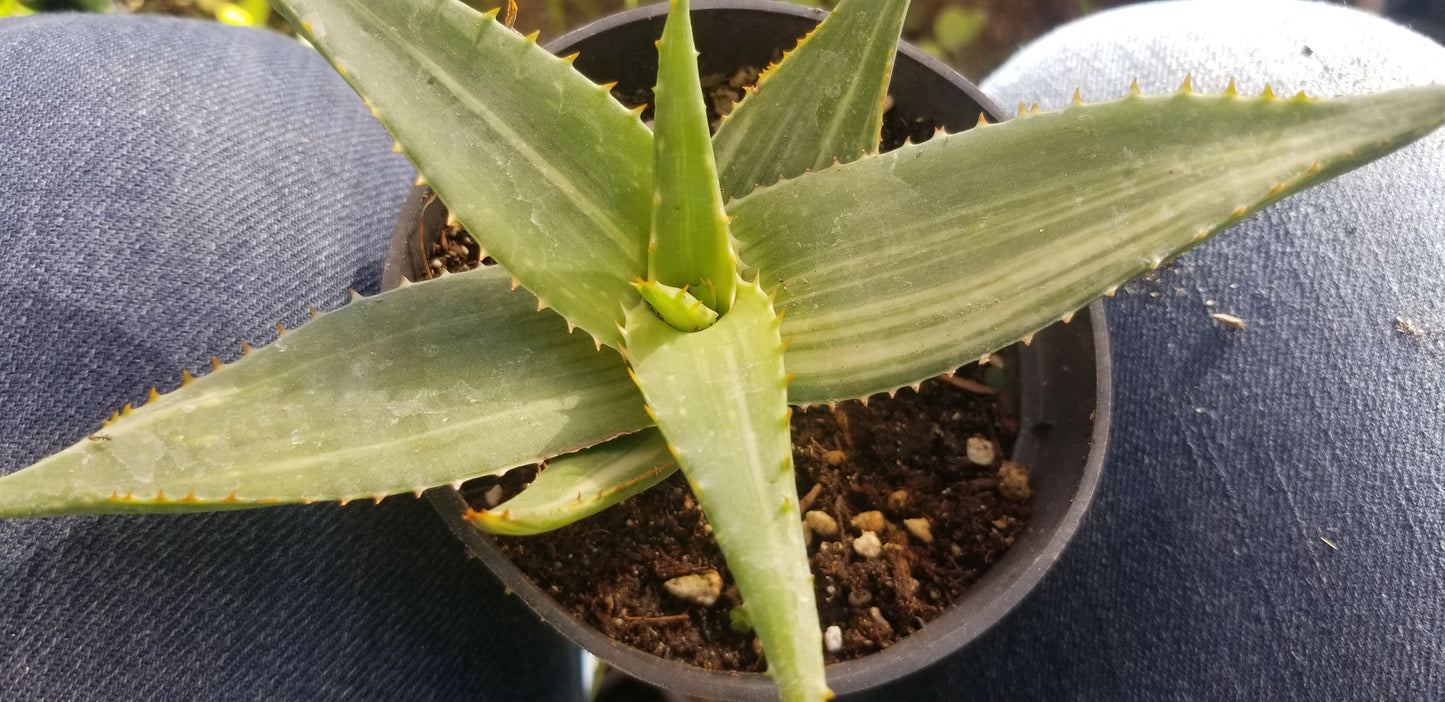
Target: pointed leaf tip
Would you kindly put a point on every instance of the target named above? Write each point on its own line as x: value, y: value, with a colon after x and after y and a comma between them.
x: 217, y: 434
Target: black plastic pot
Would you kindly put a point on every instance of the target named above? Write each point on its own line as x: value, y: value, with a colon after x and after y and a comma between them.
x: 1064, y: 373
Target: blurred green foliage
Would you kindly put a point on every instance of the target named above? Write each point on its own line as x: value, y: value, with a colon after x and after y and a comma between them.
x: 12, y: 8
x: 9, y: 8
x: 954, y: 28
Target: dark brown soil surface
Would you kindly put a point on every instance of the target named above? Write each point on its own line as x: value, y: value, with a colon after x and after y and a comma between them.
x: 454, y: 251
x: 903, y: 458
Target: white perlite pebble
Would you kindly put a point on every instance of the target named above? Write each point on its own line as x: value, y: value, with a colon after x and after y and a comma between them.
x: 833, y: 639
x: 494, y: 496
x: 821, y: 523
x: 868, y: 545
x: 920, y: 529
x: 979, y: 450
x: 871, y: 520
x: 700, y: 588
x: 877, y: 616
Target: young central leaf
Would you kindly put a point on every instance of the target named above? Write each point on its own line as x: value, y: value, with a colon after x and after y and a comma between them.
x: 720, y: 398
x: 689, y: 246
x: 676, y: 306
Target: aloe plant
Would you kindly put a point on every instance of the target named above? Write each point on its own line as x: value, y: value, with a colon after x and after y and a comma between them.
x: 667, y: 256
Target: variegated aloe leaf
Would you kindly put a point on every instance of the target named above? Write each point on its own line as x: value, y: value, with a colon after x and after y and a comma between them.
x: 689, y: 247
x: 720, y: 398
x: 548, y: 172
x: 428, y: 384
x: 903, y: 266
x: 581, y: 484
x: 823, y: 103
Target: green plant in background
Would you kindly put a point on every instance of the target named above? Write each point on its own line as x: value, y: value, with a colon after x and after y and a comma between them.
x: 247, y: 13
x: 555, y: 13
x: 16, y: 8
x: 674, y: 253
x: 241, y: 12
x: 953, y: 28
x: 13, y: 8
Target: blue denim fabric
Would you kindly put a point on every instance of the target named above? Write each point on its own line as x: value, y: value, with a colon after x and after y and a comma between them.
x: 167, y: 190
x: 1202, y: 571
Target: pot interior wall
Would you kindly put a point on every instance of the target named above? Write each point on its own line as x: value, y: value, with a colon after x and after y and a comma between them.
x: 730, y: 35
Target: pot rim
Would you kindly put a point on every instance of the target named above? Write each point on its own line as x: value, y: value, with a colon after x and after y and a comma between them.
x: 958, y: 626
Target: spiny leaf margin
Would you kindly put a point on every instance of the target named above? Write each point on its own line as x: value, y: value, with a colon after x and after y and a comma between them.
x: 822, y: 103
x: 897, y: 268
x: 720, y: 398
x: 429, y: 384
x: 562, y: 202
